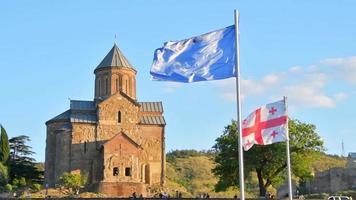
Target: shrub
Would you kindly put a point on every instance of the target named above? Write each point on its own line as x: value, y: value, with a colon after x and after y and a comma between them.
x: 72, y: 181
x: 22, y: 182
x: 4, y: 174
x: 36, y: 187
x: 8, y: 187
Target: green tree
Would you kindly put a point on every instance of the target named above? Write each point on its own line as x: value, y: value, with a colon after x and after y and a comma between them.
x: 4, y: 174
x: 72, y: 181
x: 22, y: 165
x: 4, y: 146
x: 268, y: 162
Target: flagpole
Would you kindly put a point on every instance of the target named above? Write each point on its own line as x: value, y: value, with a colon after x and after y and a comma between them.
x: 239, y: 125
x: 290, y: 192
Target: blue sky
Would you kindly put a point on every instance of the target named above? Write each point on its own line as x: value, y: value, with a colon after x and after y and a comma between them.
x: 303, y: 49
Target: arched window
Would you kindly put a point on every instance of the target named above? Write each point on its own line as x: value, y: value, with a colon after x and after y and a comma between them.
x: 117, y: 85
x: 85, y: 147
x: 106, y: 86
x: 130, y: 87
x: 119, y: 117
x: 99, y: 87
x: 120, y: 82
x: 115, y: 171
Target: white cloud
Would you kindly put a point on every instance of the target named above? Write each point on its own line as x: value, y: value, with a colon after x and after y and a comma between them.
x: 172, y: 86
x: 304, y: 87
x: 249, y: 87
x: 344, y: 68
x: 295, y: 69
x: 307, y: 96
x: 340, y: 96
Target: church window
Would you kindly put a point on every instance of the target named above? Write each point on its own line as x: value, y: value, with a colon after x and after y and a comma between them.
x: 128, y: 171
x: 117, y: 85
x: 99, y: 87
x: 85, y: 147
x: 119, y: 117
x: 126, y: 87
x: 130, y: 87
x: 106, y: 86
x: 115, y: 171
x: 120, y: 82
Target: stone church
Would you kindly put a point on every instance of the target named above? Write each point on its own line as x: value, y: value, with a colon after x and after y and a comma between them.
x: 117, y: 142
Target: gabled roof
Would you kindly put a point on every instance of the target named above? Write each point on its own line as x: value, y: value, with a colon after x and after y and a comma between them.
x: 124, y: 135
x: 151, y: 107
x: 82, y: 105
x: 61, y: 117
x: 152, y: 120
x: 115, y: 58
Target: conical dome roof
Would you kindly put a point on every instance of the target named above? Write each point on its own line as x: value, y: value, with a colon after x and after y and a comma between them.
x: 115, y: 58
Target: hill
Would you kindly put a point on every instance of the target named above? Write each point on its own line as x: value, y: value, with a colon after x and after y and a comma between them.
x: 189, y: 171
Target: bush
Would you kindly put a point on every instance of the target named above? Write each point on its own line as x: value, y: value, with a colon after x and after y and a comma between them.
x: 348, y: 193
x: 72, y: 181
x: 317, y: 196
x: 8, y: 187
x: 4, y: 174
x: 36, y: 187
x: 19, y: 182
x: 22, y: 182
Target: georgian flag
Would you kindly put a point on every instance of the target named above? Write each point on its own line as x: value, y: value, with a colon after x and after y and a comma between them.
x: 266, y: 125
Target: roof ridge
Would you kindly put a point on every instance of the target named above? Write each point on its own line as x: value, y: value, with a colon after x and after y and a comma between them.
x: 115, y: 58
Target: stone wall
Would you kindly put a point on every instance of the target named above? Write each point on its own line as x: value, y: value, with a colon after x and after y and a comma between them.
x: 333, y: 180
x: 57, y: 151
x: 121, y: 154
x: 121, y: 189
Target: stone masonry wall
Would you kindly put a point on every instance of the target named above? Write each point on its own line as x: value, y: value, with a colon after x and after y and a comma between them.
x: 333, y: 180
x: 57, y: 151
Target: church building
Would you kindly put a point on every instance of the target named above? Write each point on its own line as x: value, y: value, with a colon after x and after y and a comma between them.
x: 115, y: 141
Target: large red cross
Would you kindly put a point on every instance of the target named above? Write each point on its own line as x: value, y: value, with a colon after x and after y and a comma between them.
x: 259, y: 125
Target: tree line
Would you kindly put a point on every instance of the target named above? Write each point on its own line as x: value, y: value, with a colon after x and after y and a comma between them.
x: 18, y: 170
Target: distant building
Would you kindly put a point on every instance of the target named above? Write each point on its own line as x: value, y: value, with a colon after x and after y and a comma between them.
x: 351, y: 160
x: 114, y: 140
x: 335, y: 179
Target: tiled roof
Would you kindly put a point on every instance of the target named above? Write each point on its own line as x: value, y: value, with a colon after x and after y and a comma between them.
x: 152, y: 120
x: 83, y: 118
x: 151, y: 107
x: 84, y: 112
x: 82, y: 105
x: 61, y: 117
x: 115, y: 58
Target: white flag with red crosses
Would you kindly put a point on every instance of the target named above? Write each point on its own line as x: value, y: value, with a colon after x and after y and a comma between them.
x: 266, y: 125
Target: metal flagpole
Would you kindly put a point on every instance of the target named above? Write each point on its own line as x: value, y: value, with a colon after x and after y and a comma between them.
x: 290, y: 192
x: 238, y: 77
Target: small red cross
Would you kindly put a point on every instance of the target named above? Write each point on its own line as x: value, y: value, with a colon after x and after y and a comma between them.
x: 272, y: 111
x: 260, y: 125
x: 248, y: 144
x: 244, y: 122
x: 274, y: 134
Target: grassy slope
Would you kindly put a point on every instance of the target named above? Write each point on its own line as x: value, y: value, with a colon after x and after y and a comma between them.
x: 325, y: 162
x: 191, y: 174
